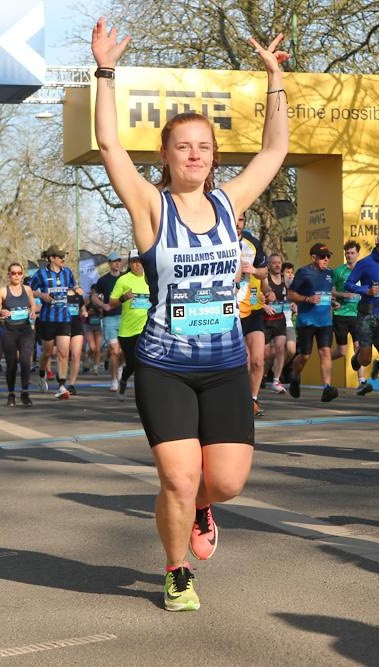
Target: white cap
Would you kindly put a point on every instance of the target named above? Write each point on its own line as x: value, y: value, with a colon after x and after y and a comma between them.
x: 133, y: 254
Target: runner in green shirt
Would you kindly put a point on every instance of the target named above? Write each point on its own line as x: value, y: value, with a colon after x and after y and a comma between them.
x: 345, y: 317
x: 131, y: 290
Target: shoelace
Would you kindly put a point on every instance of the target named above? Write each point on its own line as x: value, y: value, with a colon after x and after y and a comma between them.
x: 203, y: 520
x: 182, y: 579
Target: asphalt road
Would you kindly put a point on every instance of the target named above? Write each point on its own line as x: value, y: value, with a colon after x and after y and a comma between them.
x: 294, y: 580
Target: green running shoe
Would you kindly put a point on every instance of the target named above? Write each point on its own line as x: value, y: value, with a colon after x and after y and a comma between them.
x: 179, y: 593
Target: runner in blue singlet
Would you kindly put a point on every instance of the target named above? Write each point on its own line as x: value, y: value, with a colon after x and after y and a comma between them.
x: 192, y: 387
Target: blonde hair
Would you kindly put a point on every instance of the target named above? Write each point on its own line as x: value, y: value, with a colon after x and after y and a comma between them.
x: 179, y: 119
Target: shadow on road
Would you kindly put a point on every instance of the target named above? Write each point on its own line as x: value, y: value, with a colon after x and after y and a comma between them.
x: 141, y: 506
x: 40, y: 569
x: 353, y: 640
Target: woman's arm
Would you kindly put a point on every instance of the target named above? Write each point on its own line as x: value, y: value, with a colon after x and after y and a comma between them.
x: 32, y: 303
x: 140, y: 197
x: 244, y: 189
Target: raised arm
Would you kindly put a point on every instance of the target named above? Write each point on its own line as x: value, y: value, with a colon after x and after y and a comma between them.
x: 140, y: 197
x: 244, y: 189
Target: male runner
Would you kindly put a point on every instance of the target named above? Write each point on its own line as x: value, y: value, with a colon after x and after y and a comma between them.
x: 50, y: 284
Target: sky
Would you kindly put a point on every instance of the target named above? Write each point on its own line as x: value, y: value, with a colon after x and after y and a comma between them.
x: 62, y: 18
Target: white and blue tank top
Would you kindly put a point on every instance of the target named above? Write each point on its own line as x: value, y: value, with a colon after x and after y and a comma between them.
x: 193, y: 323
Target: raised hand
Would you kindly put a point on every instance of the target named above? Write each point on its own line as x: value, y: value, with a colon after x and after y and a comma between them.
x: 105, y: 48
x: 270, y: 57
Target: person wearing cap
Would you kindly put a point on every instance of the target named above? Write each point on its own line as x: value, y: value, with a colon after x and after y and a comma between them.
x: 345, y: 320
x: 311, y: 290
x: 50, y: 284
x: 131, y: 290
x: 364, y: 280
x: 111, y: 315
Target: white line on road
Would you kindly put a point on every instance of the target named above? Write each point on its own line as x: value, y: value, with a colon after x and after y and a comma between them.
x: 21, y: 431
x: 59, y: 643
x: 294, y: 523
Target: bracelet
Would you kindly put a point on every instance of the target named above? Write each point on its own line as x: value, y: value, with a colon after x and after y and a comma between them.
x: 277, y: 91
x: 105, y: 73
x: 122, y: 298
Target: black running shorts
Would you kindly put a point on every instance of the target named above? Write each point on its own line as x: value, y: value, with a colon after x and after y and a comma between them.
x: 213, y: 407
x: 344, y: 325
x: 305, y: 335
x: 50, y: 330
x: 253, y: 322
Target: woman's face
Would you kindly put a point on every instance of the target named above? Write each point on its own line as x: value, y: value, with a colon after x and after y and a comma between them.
x: 16, y: 274
x: 189, y: 153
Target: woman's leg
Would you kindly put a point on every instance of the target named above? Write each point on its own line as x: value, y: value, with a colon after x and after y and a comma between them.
x: 10, y: 346
x: 25, y: 346
x: 179, y: 468
x: 226, y: 467
x: 98, y: 337
x: 76, y: 345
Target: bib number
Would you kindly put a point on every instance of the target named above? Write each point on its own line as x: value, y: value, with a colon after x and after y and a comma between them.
x: 141, y: 301
x: 73, y: 309
x: 19, y: 314
x: 202, y: 311
x: 325, y: 299
x: 253, y: 296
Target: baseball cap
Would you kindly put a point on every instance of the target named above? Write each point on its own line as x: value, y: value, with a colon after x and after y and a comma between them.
x: 134, y: 255
x: 320, y: 249
x: 114, y: 256
x: 54, y: 250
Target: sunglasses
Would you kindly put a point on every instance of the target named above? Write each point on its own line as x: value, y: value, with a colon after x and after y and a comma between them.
x: 60, y: 256
x: 16, y: 273
x: 323, y: 256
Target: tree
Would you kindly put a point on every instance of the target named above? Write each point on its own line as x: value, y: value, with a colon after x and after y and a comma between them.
x: 212, y: 34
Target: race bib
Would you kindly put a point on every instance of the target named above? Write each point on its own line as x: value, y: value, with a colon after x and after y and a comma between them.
x: 325, y: 299
x: 277, y: 307
x: 202, y: 311
x: 141, y: 301
x: 73, y: 309
x: 19, y: 314
x: 253, y: 296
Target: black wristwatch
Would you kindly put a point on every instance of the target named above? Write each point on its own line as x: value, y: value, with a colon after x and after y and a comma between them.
x: 122, y: 298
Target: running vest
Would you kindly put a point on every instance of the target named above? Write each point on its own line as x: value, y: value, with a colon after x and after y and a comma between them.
x: 193, y: 322
x: 249, y: 295
x: 280, y: 302
x: 19, y: 309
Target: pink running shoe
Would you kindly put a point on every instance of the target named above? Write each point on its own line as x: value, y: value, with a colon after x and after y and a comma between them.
x: 203, y: 542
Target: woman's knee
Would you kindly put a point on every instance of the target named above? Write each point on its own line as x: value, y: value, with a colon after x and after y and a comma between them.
x: 227, y: 486
x: 182, y: 486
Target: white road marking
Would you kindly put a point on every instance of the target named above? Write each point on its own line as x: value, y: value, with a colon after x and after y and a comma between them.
x: 295, y: 523
x: 21, y: 431
x: 59, y: 643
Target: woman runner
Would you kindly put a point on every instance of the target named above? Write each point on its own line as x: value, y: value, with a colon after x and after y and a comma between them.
x: 191, y: 382
x: 17, y: 307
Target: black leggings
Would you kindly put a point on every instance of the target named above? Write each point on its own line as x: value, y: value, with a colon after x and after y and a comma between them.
x: 19, y: 341
x: 128, y: 346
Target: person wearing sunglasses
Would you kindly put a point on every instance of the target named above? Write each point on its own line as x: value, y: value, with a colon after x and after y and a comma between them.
x: 51, y: 284
x: 311, y: 290
x: 17, y: 308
